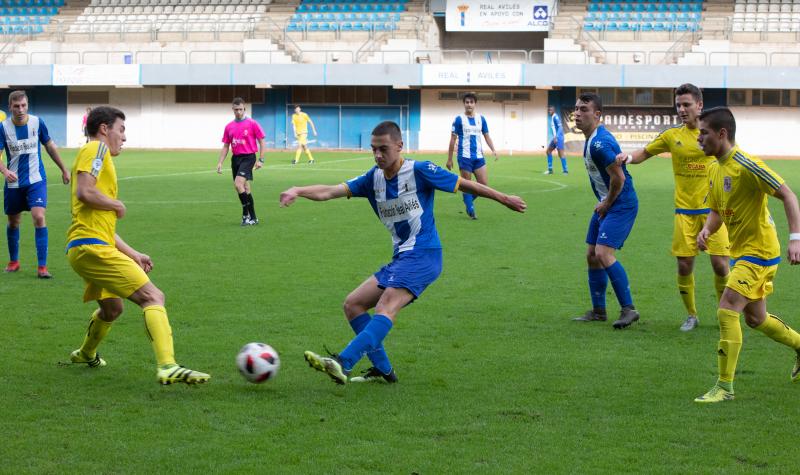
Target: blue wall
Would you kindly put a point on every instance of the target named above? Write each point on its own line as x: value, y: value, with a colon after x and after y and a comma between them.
x: 338, y: 126
x: 49, y: 103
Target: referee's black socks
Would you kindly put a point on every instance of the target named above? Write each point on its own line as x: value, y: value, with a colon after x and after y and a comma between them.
x: 251, y: 207
x: 245, y: 199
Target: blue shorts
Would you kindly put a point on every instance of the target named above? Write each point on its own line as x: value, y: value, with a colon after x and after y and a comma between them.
x: 613, y: 229
x: 412, y: 270
x: 21, y: 199
x: 470, y: 164
x: 557, y: 143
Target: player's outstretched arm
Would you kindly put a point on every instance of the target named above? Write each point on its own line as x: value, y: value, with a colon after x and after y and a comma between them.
x: 222, y: 154
x: 713, y: 223
x: 632, y: 158
x: 52, y: 150
x: 143, y: 260
x: 86, y: 191
x: 313, y: 127
x: 792, y: 209
x: 511, y: 202
x: 313, y: 193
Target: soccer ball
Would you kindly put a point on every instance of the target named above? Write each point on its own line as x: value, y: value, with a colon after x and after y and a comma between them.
x: 258, y: 362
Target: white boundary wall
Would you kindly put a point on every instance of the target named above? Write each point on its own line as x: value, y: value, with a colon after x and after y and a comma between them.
x: 437, y: 118
x: 767, y: 131
x: 154, y: 120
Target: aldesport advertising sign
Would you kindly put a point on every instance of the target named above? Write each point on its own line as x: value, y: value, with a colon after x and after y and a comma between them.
x: 633, y: 127
x: 519, y: 15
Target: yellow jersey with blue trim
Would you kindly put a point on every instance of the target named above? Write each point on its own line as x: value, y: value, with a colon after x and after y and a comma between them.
x: 90, y: 224
x: 300, y: 122
x: 689, y: 165
x: 739, y: 186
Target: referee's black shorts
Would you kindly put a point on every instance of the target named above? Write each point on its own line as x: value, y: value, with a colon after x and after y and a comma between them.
x: 242, y: 165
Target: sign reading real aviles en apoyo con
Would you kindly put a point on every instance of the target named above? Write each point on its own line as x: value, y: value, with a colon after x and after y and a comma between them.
x: 519, y: 15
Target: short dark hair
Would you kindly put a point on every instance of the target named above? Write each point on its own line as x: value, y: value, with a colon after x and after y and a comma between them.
x: 592, y: 97
x: 389, y: 128
x: 102, y: 115
x: 719, y: 118
x: 689, y: 89
x: 17, y: 95
x: 470, y: 95
x: 237, y: 101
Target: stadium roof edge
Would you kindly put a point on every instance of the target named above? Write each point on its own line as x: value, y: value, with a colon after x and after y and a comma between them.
x: 412, y: 75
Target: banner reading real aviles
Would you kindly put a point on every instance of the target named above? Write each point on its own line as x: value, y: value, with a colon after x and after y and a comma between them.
x: 633, y: 127
x: 519, y: 15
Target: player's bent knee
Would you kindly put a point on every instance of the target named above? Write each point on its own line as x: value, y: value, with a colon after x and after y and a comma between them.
x: 753, y: 320
x: 148, y: 295
x: 111, y: 309
x: 352, y: 308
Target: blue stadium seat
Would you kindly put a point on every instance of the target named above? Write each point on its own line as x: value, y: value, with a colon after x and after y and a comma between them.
x: 611, y: 26
x: 624, y: 26
x: 658, y: 26
x: 647, y: 26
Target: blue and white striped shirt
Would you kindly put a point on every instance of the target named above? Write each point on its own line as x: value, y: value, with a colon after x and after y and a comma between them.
x: 469, y: 131
x: 555, y: 129
x: 22, y: 144
x: 404, y: 204
x: 600, y: 151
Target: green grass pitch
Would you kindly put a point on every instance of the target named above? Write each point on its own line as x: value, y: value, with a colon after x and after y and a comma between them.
x: 494, y: 377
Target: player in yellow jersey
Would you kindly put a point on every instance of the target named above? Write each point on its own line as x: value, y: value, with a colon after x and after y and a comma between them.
x: 737, y: 196
x: 690, y: 167
x: 300, y: 123
x: 2, y: 116
x: 112, y: 269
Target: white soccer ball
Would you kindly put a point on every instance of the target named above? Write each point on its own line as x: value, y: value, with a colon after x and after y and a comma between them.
x: 258, y: 362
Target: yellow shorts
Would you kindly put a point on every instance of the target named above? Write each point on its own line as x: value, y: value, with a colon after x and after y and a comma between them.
x: 684, y: 237
x: 108, y: 273
x: 302, y: 139
x: 751, y: 280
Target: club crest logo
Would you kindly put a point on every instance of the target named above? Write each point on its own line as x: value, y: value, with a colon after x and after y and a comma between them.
x: 727, y: 184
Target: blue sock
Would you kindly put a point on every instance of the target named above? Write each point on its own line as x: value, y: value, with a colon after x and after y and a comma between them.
x: 468, y: 199
x: 549, y: 161
x: 370, y: 338
x: 564, y: 163
x: 619, y: 280
x: 598, y: 282
x: 378, y: 357
x: 41, y: 245
x: 12, y: 235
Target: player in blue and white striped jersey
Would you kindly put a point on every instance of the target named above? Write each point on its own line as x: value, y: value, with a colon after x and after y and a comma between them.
x: 21, y: 137
x: 613, y: 216
x: 466, y: 131
x: 555, y: 140
x: 401, y: 195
